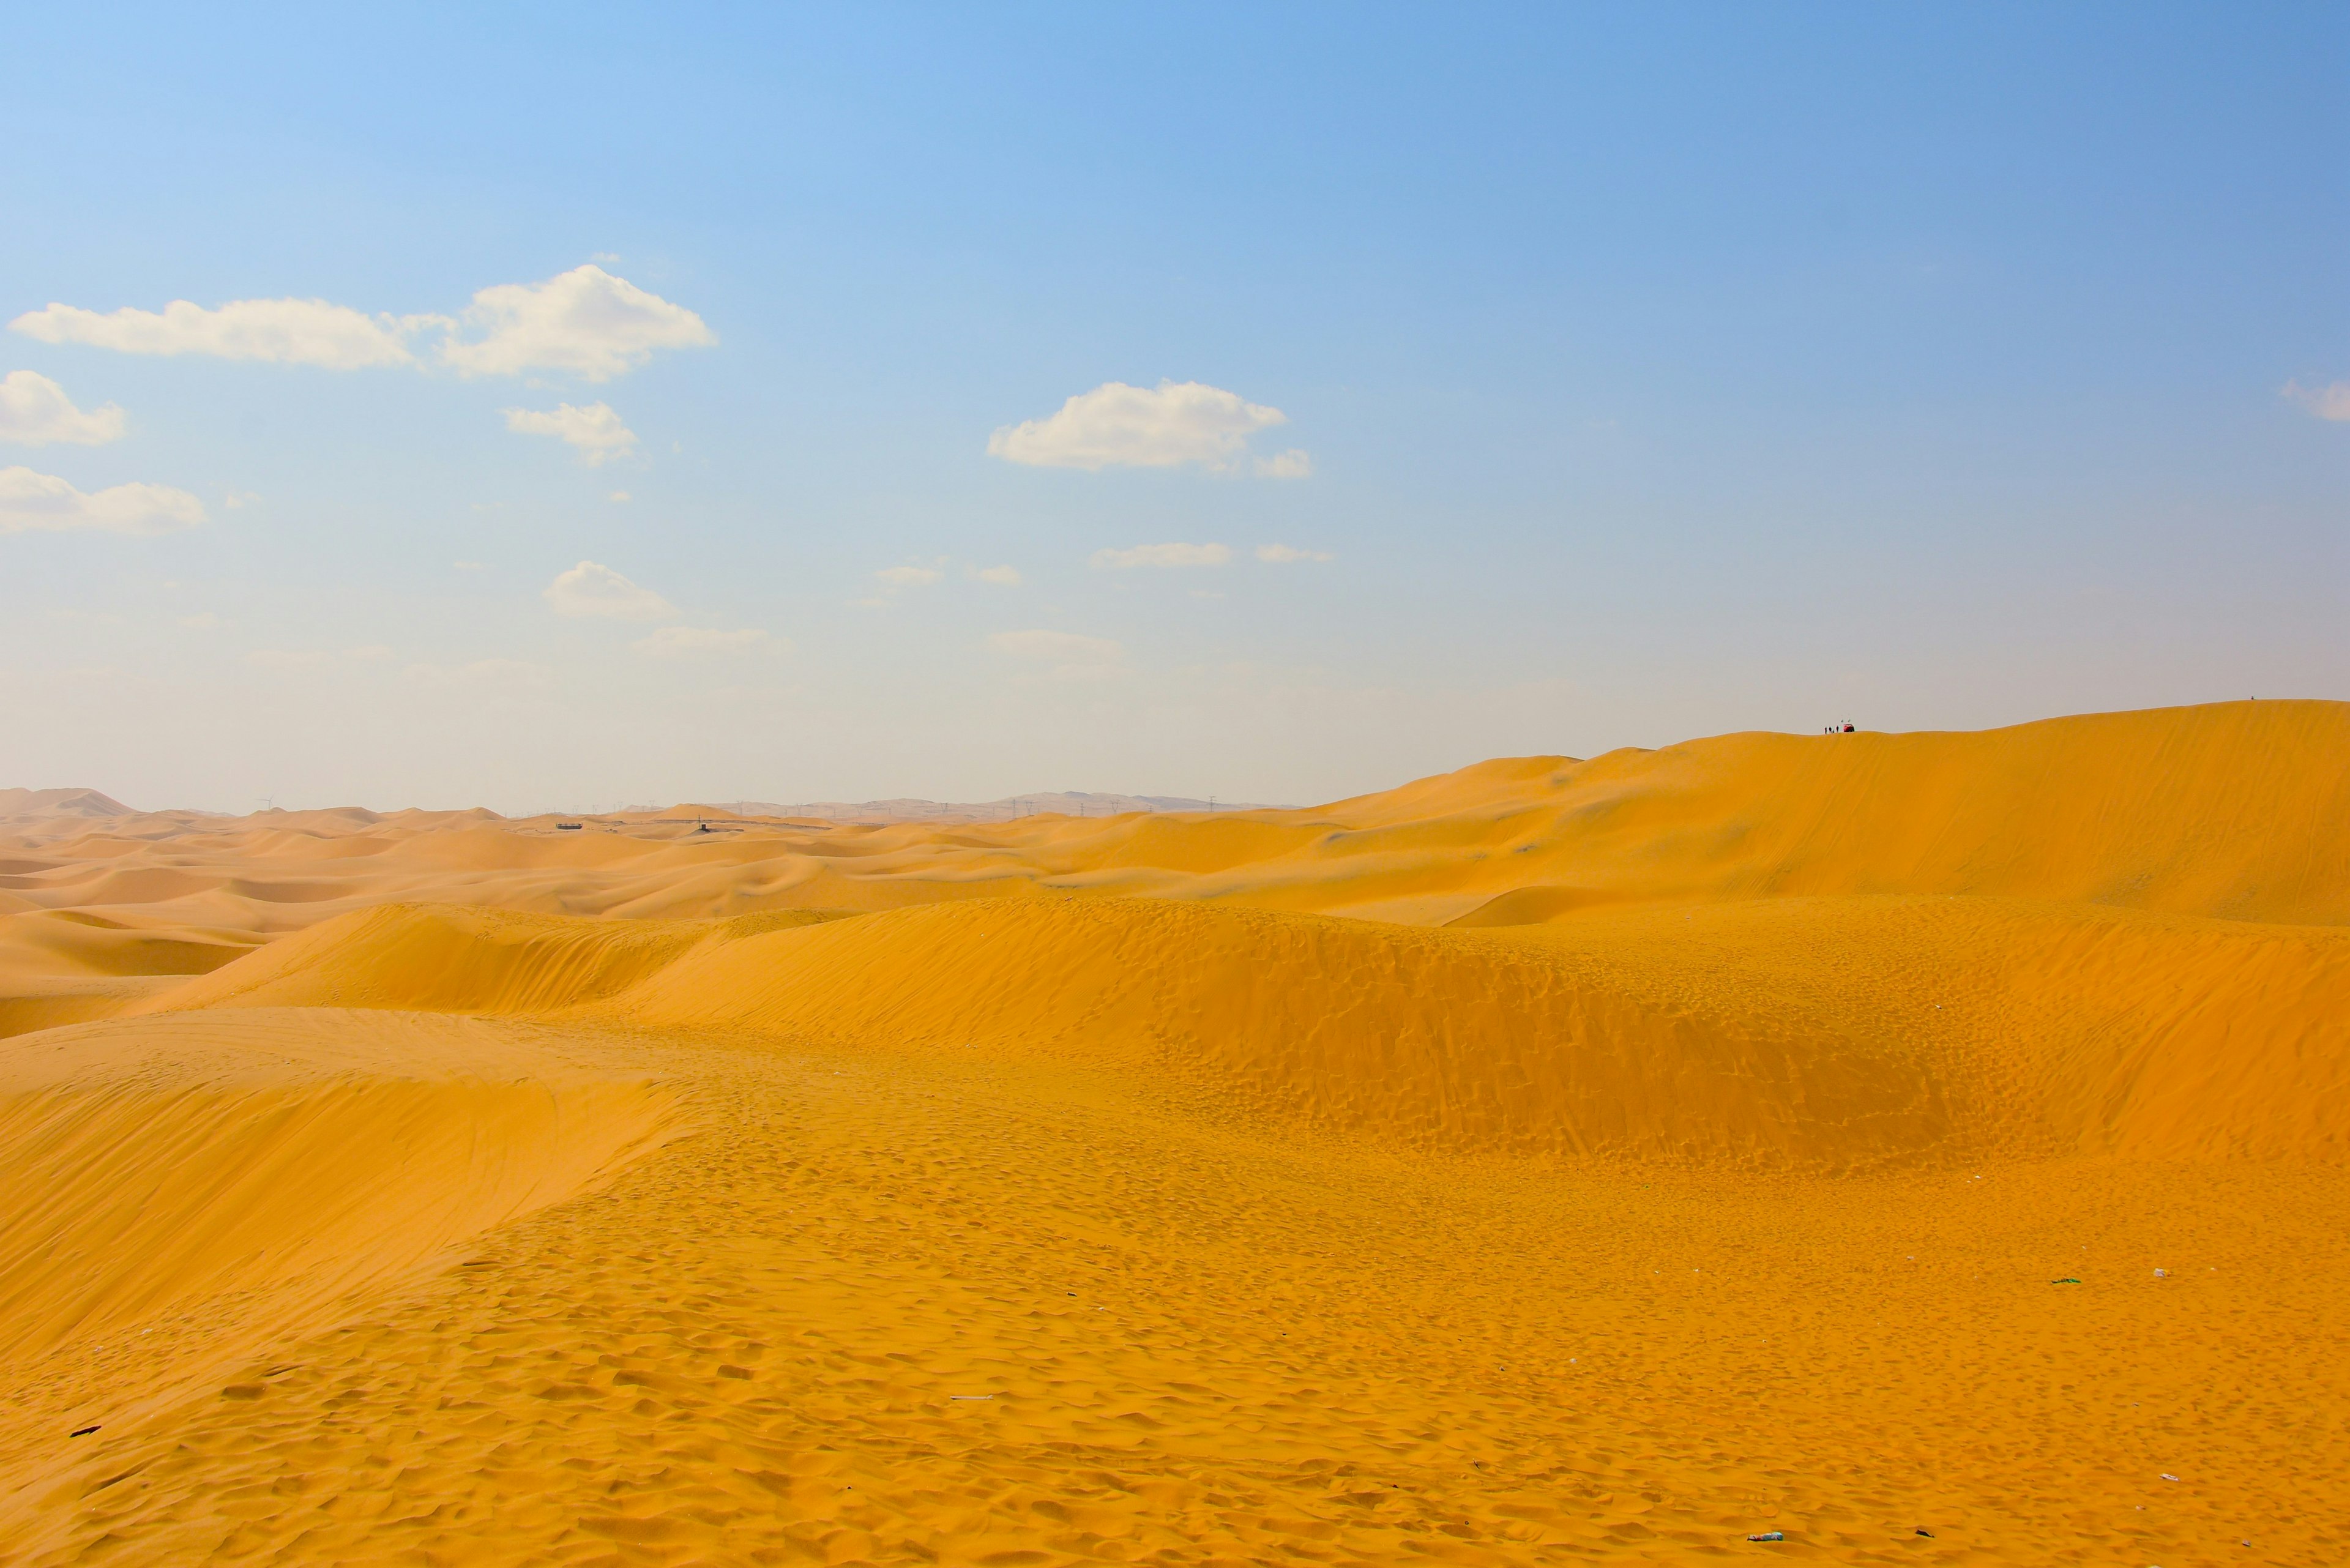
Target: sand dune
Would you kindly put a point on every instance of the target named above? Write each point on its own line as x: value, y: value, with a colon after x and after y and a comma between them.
x: 1850, y: 1136
x: 2236, y: 810
x: 1065, y: 803
x: 1826, y: 1033
x: 38, y: 804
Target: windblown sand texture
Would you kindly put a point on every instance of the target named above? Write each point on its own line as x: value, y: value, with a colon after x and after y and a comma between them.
x: 1931, y: 1148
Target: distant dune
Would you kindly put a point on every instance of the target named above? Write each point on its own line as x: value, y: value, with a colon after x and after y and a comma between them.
x: 39, y: 803
x: 1065, y: 803
x: 1921, y: 1146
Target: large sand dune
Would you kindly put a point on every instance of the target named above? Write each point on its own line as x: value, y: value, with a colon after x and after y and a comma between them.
x: 1545, y: 1160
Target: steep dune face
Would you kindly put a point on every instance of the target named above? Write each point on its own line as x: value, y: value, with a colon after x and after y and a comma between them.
x: 268, y: 1163
x: 74, y: 944
x: 1817, y: 1033
x: 1439, y: 1041
x: 178, y: 1193
x: 2053, y: 1029
x: 444, y: 958
x: 1436, y: 1039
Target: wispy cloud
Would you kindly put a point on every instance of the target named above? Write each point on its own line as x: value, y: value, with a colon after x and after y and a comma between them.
x: 896, y: 580
x: 30, y: 500
x: 278, y: 331
x: 1291, y: 464
x: 2331, y: 401
x: 1281, y: 554
x: 1002, y: 576
x: 35, y: 412
x: 1163, y: 556
x: 593, y: 589
x: 1115, y: 425
x: 595, y: 432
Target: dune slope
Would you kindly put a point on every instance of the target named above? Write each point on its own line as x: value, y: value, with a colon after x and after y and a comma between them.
x: 1822, y: 1034
x: 174, y: 1191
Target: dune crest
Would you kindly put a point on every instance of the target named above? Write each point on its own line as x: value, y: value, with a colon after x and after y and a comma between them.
x: 1966, y: 1031
x: 2236, y: 810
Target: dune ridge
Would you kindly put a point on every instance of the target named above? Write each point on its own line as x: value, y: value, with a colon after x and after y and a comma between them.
x: 2231, y: 810
x: 1976, y: 1026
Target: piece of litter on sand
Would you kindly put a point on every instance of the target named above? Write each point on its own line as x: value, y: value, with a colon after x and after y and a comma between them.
x: 1769, y: 1536
x: 2067, y: 1280
x: 2167, y: 1476
x: 971, y: 1395
x: 84, y: 1432
x: 1926, y: 1533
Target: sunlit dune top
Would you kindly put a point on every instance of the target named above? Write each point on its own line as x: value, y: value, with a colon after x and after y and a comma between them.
x: 2237, y: 810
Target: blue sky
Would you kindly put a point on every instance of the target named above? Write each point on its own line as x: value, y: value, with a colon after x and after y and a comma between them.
x: 1644, y: 373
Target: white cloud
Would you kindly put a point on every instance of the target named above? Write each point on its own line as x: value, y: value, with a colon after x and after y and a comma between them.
x: 687, y: 641
x: 1115, y: 425
x: 1073, y: 658
x: 282, y: 331
x: 39, y: 501
x: 619, y: 496
x: 596, y: 431
x: 896, y: 577
x: 585, y: 320
x: 589, y: 589
x: 1002, y: 576
x: 1277, y: 554
x: 471, y: 565
x: 1164, y: 556
x: 236, y: 500
x: 35, y: 412
x: 2327, y: 402
x: 202, y: 620
x: 1294, y: 463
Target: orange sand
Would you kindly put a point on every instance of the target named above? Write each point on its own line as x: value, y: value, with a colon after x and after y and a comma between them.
x: 1547, y: 1161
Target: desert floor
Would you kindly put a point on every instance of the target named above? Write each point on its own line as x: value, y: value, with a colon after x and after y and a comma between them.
x: 1930, y: 1148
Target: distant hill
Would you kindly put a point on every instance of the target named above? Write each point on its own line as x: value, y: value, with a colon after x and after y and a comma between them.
x: 1068, y: 803
x: 18, y: 804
